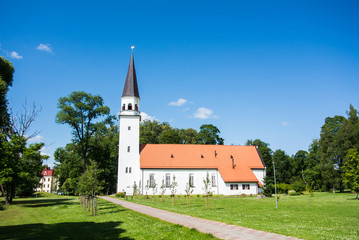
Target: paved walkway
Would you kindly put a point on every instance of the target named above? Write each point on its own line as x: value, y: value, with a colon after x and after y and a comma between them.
x: 218, y: 229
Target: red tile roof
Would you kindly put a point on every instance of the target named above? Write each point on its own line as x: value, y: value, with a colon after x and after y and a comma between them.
x: 48, y: 172
x: 188, y: 156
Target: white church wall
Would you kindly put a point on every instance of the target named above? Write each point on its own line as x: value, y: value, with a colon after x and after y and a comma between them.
x: 260, y: 174
x: 182, y: 178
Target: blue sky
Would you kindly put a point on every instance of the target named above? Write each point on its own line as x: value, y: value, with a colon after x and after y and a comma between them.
x: 272, y: 70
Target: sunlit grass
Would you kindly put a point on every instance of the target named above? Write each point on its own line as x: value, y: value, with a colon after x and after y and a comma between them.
x: 61, y: 217
x: 323, y: 216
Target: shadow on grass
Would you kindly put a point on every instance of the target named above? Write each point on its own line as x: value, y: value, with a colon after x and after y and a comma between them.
x: 69, y: 230
x: 34, y: 203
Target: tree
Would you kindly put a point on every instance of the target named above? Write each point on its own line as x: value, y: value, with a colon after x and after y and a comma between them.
x: 89, y: 183
x: 189, y: 136
x: 150, y: 131
x: 173, y: 188
x: 330, y: 156
x: 20, y: 165
x: 6, y: 79
x: 209, y: 134
x: 163, y: 189
x: 283, y: 166
x: 104, y: 150
x: 207, y: 190
x: 351, y: 170
x: 80, y: 110
x: 154, y: 189
x: 189, y: 190
x: 68, y: 167
x: 170, y: 136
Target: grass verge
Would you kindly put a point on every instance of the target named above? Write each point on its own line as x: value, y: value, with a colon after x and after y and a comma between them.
x: 61, y: 217
x: 322, y: 216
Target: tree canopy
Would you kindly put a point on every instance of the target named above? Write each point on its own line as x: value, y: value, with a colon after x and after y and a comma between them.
x: 80, y: 110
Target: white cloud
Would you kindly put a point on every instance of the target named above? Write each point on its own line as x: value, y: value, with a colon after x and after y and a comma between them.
x: 204, y: 113
x: 15, y: 55
x: 43, y: 151
x: 185, y: 110
x: 178, y: 103
x: 44, y: 48
x: 145, y: 116
x: 285, y: 123
x: 37, y: 138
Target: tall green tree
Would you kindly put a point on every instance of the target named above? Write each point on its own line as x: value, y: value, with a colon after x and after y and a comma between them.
x: 170, y: 136
x: 104, y: 150
x: 209, y: 134
x: 283, y: 166
x: 6, y: 79
x: 189, y: 136
x: 150, y: 131
x: 351, y: 170
x: 68, y: 167
x: 82, y: 112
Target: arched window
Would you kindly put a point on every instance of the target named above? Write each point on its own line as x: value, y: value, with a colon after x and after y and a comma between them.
x: 127, y: 170
x: 128, y: 149
x: 136, y: 107
x: 123, y: 106
x: 129, y: 106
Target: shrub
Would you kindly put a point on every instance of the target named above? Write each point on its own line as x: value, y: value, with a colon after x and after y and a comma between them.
x: 298, y: 186
x: 268, y: 190
x: 292, y: 192
x: 1, y: 207
x: 283, y: 187
x: 121, y: 194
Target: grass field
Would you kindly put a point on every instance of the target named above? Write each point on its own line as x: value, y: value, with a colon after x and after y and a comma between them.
x: 60, y: 217
x: 323, y: 216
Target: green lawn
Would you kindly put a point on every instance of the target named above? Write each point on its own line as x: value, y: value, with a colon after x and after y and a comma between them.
x: 60, y: 217
x: 323, y: 216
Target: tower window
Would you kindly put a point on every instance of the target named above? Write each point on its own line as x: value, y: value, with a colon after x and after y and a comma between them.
x: 129, y: 106
x: 136, y: 107
x: 128, y: 149
x: 123, y: 106
x: 129, y: 170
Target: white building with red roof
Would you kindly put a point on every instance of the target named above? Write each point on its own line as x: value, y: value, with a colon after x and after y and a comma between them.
x: 232, y: 169
x: 48, y: 182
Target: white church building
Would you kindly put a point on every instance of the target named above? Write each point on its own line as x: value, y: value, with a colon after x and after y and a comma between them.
x: 232, y: 170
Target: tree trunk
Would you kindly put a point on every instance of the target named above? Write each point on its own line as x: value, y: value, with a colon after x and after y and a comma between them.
x: 5, y: 194
x: 173, y: 200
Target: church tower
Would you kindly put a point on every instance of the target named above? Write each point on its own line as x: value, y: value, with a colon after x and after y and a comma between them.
x: 129, y: 145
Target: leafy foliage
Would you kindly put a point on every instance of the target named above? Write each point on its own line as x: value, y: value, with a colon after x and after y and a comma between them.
x: 351, y: 170
x: 80, y: 110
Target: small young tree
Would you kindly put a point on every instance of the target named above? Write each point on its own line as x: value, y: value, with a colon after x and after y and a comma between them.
x: 134, y: 188
x: 174, y: 185
x: 139, y: 190
x: 207, y: 190
x: 147, y: 187
x: 163, y: 189
x: 189, y: 190
x: 154, y: 189
x: 89, y: 184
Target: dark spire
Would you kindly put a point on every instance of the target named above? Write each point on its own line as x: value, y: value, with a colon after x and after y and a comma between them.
x: 131, y: 88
